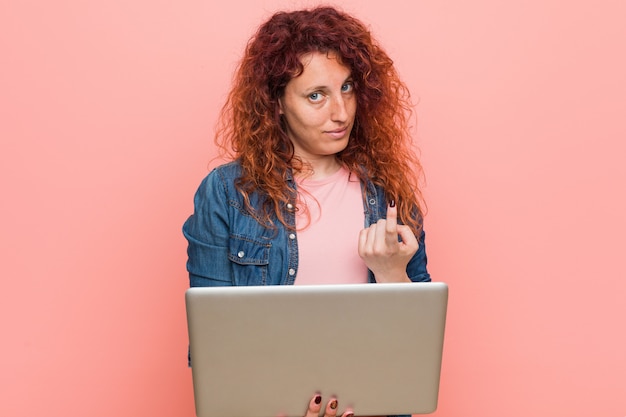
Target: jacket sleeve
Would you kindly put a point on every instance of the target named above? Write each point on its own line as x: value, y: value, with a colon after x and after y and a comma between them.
x: 416, y: 268
x: 207, y: 232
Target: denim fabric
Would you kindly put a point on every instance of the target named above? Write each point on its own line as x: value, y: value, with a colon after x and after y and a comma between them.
x: 227, y: 246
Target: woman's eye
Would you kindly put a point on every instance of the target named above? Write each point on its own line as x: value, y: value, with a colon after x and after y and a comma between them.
x: 347, y: 87
x: 315, y: 97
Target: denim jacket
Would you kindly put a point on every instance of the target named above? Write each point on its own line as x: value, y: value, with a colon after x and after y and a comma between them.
x: 227, y: 246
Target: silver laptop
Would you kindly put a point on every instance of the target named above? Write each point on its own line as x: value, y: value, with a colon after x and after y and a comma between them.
x: 266, y: 351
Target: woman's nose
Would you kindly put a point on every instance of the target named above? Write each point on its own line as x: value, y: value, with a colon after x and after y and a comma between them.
x: 338, y: 111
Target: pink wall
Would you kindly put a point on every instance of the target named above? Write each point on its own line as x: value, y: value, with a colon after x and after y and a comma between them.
x: 106, y: 115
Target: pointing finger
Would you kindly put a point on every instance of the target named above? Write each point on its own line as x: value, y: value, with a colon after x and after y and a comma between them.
x: 391, y: 225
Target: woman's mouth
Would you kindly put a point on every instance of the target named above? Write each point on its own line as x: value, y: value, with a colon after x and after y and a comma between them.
x: 337, y: 133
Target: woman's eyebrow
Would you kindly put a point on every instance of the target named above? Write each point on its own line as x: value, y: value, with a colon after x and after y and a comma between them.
x: 325, y: 87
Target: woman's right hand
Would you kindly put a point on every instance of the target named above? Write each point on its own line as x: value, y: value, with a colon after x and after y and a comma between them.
x: 315, y: 405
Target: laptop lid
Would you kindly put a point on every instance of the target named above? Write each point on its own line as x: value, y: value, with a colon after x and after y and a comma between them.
x: 265, y: 351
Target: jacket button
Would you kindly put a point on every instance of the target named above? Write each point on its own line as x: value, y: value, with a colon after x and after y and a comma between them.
x: 292, y: 236
x: 292, y: 271
x: 372, y: 201
x: 241, y: 254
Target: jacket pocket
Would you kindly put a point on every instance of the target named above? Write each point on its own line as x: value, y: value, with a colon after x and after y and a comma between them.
x: 250, y: 259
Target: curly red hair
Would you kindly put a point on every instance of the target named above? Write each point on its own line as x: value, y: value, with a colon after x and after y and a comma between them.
x: 251, y: 129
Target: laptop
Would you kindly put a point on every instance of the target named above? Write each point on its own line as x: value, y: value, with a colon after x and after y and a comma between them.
x: 266, y: 351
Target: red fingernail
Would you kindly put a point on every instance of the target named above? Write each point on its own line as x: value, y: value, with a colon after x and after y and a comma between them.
x: 318, y: 399
x: 392, y: 203
x: 333, y: 404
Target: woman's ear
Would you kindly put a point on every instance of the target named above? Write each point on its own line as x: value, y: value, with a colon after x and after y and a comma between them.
x: 280, y: 106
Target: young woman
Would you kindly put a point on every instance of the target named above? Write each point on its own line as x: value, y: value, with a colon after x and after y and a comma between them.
x: 322, y: 186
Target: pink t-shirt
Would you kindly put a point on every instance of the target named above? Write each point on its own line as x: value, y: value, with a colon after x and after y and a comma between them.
x: 328, y: 239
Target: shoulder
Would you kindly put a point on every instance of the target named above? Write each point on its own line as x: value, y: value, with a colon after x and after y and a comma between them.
x: 229, y: 170
x: 220, y: 181
x: 225, y: 173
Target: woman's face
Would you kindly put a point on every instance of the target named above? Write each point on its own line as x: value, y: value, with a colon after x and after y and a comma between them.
x: 319, y: 107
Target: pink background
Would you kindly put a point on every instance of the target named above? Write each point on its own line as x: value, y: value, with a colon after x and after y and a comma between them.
x: 107, y: 111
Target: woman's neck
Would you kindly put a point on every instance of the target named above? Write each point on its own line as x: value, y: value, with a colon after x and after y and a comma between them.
x: 318, y: 169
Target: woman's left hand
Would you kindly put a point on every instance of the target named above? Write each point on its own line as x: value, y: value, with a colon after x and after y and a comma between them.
x: 383, y: 254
